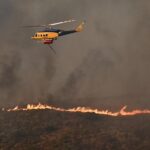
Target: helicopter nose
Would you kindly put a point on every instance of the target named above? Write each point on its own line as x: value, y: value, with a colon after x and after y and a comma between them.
x: 32, y: 37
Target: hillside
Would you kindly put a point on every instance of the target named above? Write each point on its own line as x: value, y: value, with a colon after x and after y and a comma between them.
x: 52, y: 130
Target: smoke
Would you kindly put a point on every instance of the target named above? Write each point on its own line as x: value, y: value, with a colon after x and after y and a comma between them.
x: 106, y: 65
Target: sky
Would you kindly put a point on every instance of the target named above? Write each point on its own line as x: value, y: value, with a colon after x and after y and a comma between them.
x: 106, y: 65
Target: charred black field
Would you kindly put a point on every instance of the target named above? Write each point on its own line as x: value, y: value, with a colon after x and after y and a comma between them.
x: 50, y: 130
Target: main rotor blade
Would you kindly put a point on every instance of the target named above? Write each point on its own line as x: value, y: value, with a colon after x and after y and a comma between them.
x: 34, y: 26
x: 49, y: 25
x: 62, y: 22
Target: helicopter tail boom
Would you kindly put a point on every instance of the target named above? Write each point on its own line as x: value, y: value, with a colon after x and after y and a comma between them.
x: 78, y: 29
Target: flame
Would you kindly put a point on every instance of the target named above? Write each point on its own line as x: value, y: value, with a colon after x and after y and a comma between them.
x: 40, y: 106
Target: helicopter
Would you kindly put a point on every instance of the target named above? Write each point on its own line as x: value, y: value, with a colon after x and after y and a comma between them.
x: 49, y: 34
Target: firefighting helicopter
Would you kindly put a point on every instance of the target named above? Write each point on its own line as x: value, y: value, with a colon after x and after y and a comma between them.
x: 49, y: 34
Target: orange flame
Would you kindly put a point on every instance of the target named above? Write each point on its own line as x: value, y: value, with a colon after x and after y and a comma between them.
x: 40, y: 106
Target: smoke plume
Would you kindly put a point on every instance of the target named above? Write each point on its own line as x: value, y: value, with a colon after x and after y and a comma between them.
x: 105, y: 65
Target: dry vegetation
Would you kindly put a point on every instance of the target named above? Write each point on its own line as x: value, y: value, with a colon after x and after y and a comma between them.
x: 50, y: 130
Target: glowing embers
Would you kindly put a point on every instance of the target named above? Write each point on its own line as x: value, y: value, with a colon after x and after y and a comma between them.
x: 39, y: 106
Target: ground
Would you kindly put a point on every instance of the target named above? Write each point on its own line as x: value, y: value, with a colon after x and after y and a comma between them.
x: 51, y: 130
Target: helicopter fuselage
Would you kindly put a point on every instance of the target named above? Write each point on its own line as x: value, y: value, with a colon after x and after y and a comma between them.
x: 45, y: 35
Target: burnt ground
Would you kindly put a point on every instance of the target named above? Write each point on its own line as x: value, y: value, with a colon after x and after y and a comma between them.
x: 51, y: 130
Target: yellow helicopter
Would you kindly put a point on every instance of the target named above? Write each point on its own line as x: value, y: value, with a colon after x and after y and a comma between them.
x: 49, y: 34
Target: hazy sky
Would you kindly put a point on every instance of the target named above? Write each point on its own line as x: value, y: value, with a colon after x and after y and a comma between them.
x: 107, y: 65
